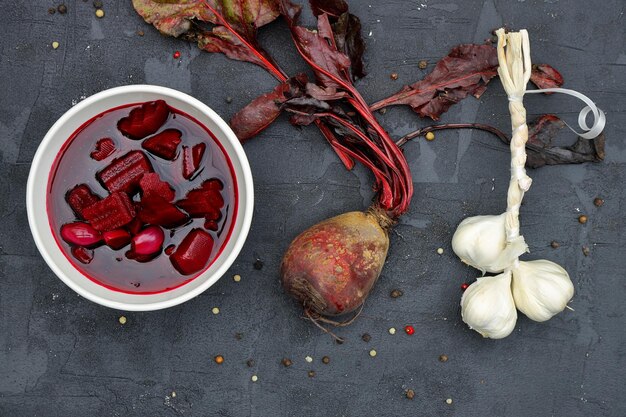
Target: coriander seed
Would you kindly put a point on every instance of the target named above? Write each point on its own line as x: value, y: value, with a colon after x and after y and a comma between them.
x: 396, y: 293
x: 598, y: 202
x: 422, y: 64
x: 443, y: 358
x: 219, y: 359
x: 430, y: 136
x: 325, y: 360
x: 555, y: 244
x: 394, y: 76
x: 99, y: 13
x: 410, y: 394
x: 286, y: 362
x: 122, y: 320
x: 582, y: 219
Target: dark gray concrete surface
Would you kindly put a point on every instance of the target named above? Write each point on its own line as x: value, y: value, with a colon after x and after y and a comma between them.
x: 61, y: 355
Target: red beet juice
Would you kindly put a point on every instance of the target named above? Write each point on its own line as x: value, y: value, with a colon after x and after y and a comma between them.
x: 142, y: 198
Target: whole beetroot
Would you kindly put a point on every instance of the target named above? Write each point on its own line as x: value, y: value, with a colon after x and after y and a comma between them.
x: 332, y: 266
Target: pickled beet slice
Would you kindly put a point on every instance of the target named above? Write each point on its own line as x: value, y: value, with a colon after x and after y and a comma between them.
x: 205, y: 201
x: 148, y: 242
x: 111, y: 213
x: 193, y: 253
x: 116, y: 239
x: 125, y: 172
x: 80, y: 234
x: 192, y: 158
x: 81, y: 197
x: 84, y: 255
x: 164, y: 144
x: 144, y: 120
x: 211, y: 225
x: 151, y: 184
x: 134, y: 226
x: 157, y: 210
x: 104, y: 148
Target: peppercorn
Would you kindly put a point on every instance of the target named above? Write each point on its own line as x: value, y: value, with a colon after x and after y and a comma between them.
x: 311, y: 374
x: 430, y: 136
x: 229, y: 100
x: 219, y: 359
x: 366, y: 337
x: 258, y: 264
x: 598, y: 202
x: 97, y: 4
x: 394, y: 76
x: 286, y: 362
x: 176, y: 54
x: 396, y: 293
x: 443, y: 358
x: 555, y: 244
x: 409, y: 329
x: 586, y: 250
x: 250, y: 363
x: 582, y: 219
x: 464, y: 286
x: 422, y: 64
x: 325, y: 360
x: 410, y: 394
x: 52, y: 10
x: 62, y: 8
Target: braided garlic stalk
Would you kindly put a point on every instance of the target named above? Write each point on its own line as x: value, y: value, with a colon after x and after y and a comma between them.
x: 539, y: 289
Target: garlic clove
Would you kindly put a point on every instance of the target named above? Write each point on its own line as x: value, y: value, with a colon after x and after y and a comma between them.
x: 480, y: 241
x: 487, y: 306
x: 541, y: 289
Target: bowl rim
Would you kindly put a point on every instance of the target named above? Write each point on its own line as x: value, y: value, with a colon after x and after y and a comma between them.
x: 245, y: 215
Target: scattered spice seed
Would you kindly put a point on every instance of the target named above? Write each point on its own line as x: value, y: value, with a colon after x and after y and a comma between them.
x: 422, y: 64
x: 449, y: 401
x: 250, y: 363
x: 396, y: 293
x: 394, y: 76
x: 238, y: 336
x: 440, y: 251
x: 392, y: 330
x: 176, y: 54
x: 464, y: 286
x: 122, y: 320
x: 219, y: 359
x: 237, y: 278
x: 366, y: 337
x: 62, y: 8
x: 325, y: 360
x: 258, y: 264
x: 287, y: 362
x: 383, y: 110
x: 52, y: 10
x: 409, y: 329
x: 311, y: 374
x: 410, y: 394
x: 443, y: 358
x: 173, y: 394
x: 555, y: 244
x: 308, y: 359
x: 140, y: 32
x: 55, y: 45
x: 99, y: 13
x: 254, y: 378
x: 229, y: 100
x: 586, y: 250
x: 430, y: 136
x: 373, y: 353
x: 97, y: 4
x: 598, y: 202
x: 215, y: 310
x: 582, y: 219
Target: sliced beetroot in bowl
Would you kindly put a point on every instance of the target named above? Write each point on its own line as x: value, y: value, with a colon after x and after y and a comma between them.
x: 104, y: 148
x: 81, y: 197
x: 84, y: 255
x: 125, y: 173
x: 148, y: 242
x: 205, y: 201
x: 135, y: 226
x: 157, y: 210
x: 151, y: 184
x: 80, y: 234
x: 193, y: 253
x: 164, y: 144
x: 191, y: 159
x: 145, y: 120
x: 116, y: 239
x: 111, y: 213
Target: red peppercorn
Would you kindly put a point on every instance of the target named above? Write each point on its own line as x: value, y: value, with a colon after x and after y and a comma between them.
x: 409, y: 329
x: 176, y: 55
x: 464, y: 286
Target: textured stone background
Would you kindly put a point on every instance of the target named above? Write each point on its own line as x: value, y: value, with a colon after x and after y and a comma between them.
x: 61, y: 355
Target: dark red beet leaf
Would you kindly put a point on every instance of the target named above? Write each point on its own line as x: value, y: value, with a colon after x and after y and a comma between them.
x: 545, y: 76
x: 144, y: 120
x: 193, y: 253
x: 104, y: 148
x: 164, y: 144
x: 125, y: 172
x: 111, y: 213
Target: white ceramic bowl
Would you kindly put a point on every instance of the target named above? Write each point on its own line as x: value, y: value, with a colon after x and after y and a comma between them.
x: 36, y: 192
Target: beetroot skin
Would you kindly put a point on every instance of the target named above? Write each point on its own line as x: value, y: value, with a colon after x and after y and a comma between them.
x: 332, y: 266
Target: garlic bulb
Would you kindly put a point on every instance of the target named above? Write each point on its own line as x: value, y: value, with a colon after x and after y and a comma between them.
x: 541, y: 289
x: 480, y: 241
x: 487, y: 306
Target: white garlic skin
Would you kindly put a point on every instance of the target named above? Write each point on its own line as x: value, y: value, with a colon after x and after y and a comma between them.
x: 541, y: 289
x: 479, y: 241
x: 487, y: 306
